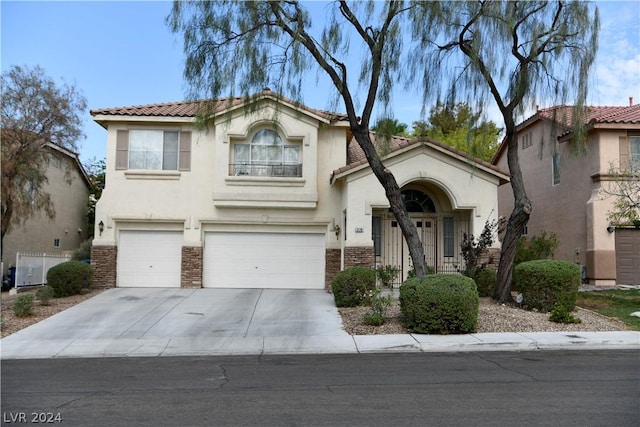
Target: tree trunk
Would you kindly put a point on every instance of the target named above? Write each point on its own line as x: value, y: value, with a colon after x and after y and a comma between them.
x: 393, y: 193
x: 517, y: 220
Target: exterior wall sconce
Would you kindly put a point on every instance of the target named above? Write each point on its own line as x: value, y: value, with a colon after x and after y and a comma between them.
x: 610, y: 228
x: 101, y: 227
x: 337, y: 230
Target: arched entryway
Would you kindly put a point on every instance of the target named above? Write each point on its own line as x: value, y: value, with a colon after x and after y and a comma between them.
x: 439, y: 228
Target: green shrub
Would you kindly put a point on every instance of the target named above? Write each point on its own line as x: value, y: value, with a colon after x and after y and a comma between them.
x: 536, y: 247
x: 69, y: 278
x: 439, y: 303
x: 486, y: 282
x: 83, y: 251
x: 387, y: 275
x: 351, y: 286
x: 379, y: 305
x: 23, y: 306
x: 561, y: 314
x: 545, y: 283
x: 44, y: 294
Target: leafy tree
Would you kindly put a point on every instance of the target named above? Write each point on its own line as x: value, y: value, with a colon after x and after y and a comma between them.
x: 247, y: 46
x: 391, y: 127
x: 35, y: 112
x: 514, y: 54
x: 96, y: 170
x: 458, y: 126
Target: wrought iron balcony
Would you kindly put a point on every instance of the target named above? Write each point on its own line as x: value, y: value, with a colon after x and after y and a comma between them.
x: 265, y: 169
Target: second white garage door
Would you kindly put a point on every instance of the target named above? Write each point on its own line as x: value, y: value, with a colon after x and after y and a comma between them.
x: 149, y: 259
x: 264, y: 260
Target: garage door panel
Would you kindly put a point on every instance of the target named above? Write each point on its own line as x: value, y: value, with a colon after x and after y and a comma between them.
x: 149, y: 258
x: 628, y: 256
x: 264, y: 260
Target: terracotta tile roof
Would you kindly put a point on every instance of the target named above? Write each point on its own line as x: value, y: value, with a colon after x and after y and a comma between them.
x: 592, y: 116
x: 191, y: 108
x: 356, y: 157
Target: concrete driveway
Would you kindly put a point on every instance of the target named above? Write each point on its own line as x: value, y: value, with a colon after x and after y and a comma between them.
x: 171, y: 322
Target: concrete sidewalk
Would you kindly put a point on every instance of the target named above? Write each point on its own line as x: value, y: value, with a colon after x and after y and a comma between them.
x: 186, y: 322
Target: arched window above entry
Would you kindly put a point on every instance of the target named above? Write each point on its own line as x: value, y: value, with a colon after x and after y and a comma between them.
x: 266, y: 154
x: 417, y: 201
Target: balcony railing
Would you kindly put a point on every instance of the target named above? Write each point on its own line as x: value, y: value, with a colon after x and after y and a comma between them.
x: 264, y: 169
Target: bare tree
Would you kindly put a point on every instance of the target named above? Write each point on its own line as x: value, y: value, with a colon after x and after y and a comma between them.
x: 35, y: 112
x: 247, y: 46
x: 515, y: 54
x: 623, y: 184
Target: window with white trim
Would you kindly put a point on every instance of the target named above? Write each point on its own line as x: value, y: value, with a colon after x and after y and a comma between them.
x: 555, y: 165
x: 150, y: 149
x: 448, y: 237
x: 634, y: 152
x: 266, y: 154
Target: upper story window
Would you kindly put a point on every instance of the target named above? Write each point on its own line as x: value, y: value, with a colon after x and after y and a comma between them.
x: 153, y: 150
x: 527, y: 140
x: 634, y: 152
x: 555, y: 165
x: 266, y: 155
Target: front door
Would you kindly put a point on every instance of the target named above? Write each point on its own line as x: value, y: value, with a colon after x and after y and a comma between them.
x: 396, y: 249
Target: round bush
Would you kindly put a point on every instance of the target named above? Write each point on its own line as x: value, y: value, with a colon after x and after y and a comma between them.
x: 69, y: 278
x: 439, y: 304
x: 23, y: 306
x: 44, y: 294
x: 545, y: 283
x: 350, y: 286
x: 486, y: 281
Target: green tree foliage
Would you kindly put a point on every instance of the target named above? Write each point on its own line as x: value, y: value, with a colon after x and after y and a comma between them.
x: 390, y: 127
x: 512, y: 54
x: 96, y: 170
x: 35, y: 112
x: 243, y: 47
x: 458, y: 126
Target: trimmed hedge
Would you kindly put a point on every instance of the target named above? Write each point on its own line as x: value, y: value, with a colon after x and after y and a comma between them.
x: 69, y: 278
x: 486, y: 281
x: 439, y: 304
x: 546, y: 283
x: 351, y: 286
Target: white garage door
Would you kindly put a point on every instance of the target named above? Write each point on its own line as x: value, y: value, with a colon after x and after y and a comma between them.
x: 149, y: 259
x: 264, y: 260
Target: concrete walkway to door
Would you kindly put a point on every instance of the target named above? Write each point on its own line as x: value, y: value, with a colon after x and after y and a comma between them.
x: 172, y: 322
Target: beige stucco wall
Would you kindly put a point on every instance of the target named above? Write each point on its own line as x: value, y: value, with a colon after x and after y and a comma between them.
x: 206, y: 198
x: 462, y: 187
x: 70, y: 223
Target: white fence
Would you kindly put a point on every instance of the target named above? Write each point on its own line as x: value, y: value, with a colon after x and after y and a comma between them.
x: 32, y: 267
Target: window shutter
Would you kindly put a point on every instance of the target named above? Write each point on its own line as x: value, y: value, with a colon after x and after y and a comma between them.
x: 184, y: 159
x: 122, y: 150
x: 623, y: 146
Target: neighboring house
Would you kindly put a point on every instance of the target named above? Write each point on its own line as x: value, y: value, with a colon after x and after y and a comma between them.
x: 564, y: 186
x: 69, y: 227
x: 270, y: 194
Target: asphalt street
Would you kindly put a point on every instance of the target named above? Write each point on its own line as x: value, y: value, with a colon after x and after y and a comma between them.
x: 551, y: 388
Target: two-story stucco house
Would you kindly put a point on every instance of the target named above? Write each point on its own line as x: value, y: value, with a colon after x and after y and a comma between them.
x: 68, y: 186
x: 271, y: 194
x: 564, y: 184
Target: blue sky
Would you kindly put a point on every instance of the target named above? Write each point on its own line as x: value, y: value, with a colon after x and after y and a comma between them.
x: 122, y: 53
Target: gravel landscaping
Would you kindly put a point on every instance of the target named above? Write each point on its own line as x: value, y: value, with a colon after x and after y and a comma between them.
x: 492, y: 317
